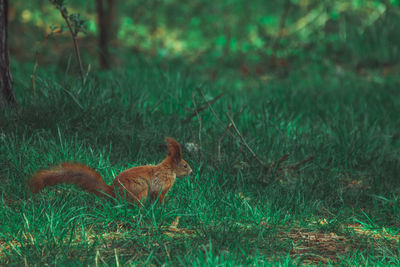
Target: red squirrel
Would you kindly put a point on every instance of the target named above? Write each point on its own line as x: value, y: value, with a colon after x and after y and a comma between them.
x: 136, y: 184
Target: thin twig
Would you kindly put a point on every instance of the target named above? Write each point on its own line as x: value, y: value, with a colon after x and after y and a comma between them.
x: 297, y: 165
x: 243, y: 141
x: 276, y: 170
x: 227, y: 128
x: 220, y: 141
x: 212, y: 110
x: 76, y: 47
x: 275, y: 166
x: 74, y: 34
x: 203, y: 107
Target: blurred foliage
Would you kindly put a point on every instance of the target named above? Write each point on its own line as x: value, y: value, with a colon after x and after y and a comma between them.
x: 231, y: 33
x: 77, y: 24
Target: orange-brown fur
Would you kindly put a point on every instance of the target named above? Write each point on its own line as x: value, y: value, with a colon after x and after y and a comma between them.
x: 136, y: 184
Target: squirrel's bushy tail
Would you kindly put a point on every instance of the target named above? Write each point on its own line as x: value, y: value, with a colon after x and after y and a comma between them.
x: 71, y: 173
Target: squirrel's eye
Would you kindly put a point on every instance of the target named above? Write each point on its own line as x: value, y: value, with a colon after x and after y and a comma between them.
x: 185, y: 166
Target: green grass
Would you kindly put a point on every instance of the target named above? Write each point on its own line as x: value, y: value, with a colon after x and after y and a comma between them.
x: 232, y: 211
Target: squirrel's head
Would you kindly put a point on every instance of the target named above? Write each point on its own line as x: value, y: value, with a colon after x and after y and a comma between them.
x: 181, y: 167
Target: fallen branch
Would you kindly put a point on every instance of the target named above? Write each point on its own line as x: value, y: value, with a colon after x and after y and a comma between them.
x: 227, y: 128
x: 243, y: 141
x: 203, y: 107
x: 276, y: 170
x: 220, y: 141
x: 275, y: 166
x: 212, y: 110
x: 297, y: 165
x: 232, y: 124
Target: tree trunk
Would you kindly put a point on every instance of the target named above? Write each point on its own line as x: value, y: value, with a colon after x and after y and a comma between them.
x: 106, y: 21
x: 6, y: 81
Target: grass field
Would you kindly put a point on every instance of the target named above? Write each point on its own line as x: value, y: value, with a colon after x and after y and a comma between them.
x: 340, y: 207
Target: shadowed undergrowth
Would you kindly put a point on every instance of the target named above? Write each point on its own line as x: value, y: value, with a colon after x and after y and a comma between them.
x: 341, y: 207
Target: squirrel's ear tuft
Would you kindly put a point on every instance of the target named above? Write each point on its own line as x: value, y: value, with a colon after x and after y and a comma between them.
x: 174, y: 149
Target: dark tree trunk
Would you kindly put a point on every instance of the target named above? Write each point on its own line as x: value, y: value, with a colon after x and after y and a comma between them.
x: 6, y: 81
x: 106, y: 23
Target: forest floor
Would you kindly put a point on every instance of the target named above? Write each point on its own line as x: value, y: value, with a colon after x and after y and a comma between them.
x: 296, y: 166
